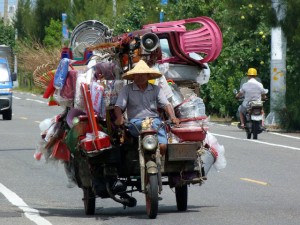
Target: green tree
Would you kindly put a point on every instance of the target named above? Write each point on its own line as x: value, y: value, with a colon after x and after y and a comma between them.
x: 7, y: 34
x: 131, y: 19
x: 24, y: 20
x: 53, y: 35
x: 46, y: 10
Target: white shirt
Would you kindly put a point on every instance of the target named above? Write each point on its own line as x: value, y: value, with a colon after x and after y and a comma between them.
x: 252, y: 91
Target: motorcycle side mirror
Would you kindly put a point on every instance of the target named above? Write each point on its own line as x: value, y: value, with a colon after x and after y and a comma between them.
x: 235, y: 91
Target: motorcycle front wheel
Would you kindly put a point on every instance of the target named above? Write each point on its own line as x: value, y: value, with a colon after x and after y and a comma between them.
x: 89, y: 201
x: 181, y: 193
x: 152, y: 195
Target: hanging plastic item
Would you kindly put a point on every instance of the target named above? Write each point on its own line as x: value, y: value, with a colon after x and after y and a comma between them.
x: 61, y: 73
x: 61, y: 151
x: 97, y: 95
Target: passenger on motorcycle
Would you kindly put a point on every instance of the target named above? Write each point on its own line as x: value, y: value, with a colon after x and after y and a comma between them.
x: 252, y: 90
x: 142, y: 100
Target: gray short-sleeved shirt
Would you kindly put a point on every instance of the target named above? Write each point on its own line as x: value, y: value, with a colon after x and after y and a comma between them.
x: 141, y: 104
x: 252, y: 90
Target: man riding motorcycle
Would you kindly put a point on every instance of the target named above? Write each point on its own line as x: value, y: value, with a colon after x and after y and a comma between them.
x: 142, y: 99
x: 252, y: 90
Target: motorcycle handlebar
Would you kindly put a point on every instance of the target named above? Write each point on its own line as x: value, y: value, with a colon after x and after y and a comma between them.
x: 163, y: 123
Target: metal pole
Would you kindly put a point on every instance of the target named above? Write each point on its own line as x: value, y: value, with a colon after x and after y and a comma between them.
x: 65, y: 32
x: 161, y: 13
x: 15, y: 56
x: 278, y: 66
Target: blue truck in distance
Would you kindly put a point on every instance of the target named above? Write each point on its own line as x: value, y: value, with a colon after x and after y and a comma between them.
x: 6, y: 82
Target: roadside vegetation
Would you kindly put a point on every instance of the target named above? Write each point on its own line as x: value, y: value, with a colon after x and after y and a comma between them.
x: 245, y: 25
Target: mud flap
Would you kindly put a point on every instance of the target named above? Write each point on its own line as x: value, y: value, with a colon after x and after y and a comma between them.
x: 151, y: 167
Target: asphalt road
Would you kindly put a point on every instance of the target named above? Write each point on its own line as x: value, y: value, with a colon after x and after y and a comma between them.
x: 259, y: 186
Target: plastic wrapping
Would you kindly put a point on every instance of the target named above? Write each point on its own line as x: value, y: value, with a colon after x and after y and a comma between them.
x: 212, y: 141
x: 187, y: 92
x: 177, y: 98
x: 190, y: 108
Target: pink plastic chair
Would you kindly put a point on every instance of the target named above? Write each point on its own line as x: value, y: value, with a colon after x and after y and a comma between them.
x: 207, y: 39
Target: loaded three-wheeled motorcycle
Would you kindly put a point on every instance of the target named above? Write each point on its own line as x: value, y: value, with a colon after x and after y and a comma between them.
x: 105, y: 160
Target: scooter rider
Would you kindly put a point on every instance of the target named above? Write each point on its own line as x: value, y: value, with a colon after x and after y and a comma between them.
x: 142, y: 100
x: 252, y: 90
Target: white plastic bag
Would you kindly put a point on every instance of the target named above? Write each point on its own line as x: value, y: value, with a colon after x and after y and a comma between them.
x: 45, y: 124
x: 97, y: 95
x: 221, y: 160
x: 79, y: 100
x: 212, y: 141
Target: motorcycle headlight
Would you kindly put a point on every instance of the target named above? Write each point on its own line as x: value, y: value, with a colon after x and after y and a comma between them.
x: 150, y: 142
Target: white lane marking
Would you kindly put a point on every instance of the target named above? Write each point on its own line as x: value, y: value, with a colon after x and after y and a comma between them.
x: 16, y: 97
x: 261, y: 142
x: 30, y: 213
x: 34, y: 100
x: 285, y: 135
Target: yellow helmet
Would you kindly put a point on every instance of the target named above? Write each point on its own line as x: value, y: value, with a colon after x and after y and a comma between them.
x: 252, y: 72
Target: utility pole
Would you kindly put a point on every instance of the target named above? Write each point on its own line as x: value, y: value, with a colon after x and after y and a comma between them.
x: 278, y: 66
x: 5, y: 12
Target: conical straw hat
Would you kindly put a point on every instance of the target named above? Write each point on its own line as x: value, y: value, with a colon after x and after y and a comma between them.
x: 141, y: 68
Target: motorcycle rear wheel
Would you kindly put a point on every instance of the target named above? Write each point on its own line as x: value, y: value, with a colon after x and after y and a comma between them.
x: 152, y: 196
x: 255, y: 129
x: 248, y: 133
x: 89, y: 201
x: 181, y: 193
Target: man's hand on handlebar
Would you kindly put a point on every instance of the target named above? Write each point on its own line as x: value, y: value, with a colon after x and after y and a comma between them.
x: 175, y: 120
